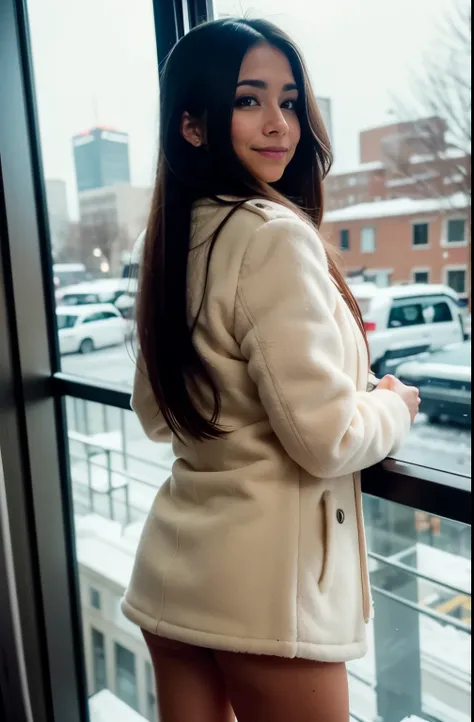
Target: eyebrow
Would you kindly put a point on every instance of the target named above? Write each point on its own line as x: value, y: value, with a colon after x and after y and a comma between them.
x: 264, y: 86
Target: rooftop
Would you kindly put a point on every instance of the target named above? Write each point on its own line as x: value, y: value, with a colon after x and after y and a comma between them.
x: 396, y: 207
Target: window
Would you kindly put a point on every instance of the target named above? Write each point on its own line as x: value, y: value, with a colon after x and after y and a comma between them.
x: 456, y: 230
x: 64, y: 321
x: 406, y: 315
x: 437, y: 312
x: 95, y: 599
x: 421, y: 276
x: 126, y: 676
x: 420, y: 234
x: 99, y: 661
x: 456, y: 279
x: 94, y: 317
x: 344, y: 239
x: 367, y: 240
x: 152, y: 709
x: 114, y: 470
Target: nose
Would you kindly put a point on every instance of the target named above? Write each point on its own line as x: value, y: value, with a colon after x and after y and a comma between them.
x: 275, y: 122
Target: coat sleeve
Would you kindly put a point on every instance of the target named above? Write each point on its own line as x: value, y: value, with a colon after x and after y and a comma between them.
x: 145, y: 407
x: 287, y: 332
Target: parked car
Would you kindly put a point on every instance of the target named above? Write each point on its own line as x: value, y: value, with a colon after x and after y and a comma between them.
x: 444, y: 380
x: 106, y: 290
x: 82, y: 329
x: 404, y: 321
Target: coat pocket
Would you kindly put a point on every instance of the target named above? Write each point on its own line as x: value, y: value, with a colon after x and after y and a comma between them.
x: 329, y: 515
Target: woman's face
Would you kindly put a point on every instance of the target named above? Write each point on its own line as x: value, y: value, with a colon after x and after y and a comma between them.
x: 265, y: 125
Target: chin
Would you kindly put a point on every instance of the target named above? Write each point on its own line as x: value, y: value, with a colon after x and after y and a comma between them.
x: 270, y: 176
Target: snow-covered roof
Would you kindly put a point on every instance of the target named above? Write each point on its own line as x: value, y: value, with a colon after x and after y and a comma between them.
x: 368, y: 290
x: 450, y: 153
x: 362, y: 168
x: 396, y: 207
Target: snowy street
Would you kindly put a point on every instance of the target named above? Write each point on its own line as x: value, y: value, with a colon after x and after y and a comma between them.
x: 440, y: 446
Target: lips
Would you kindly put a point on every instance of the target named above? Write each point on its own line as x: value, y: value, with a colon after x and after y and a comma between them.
x: 274, y: 153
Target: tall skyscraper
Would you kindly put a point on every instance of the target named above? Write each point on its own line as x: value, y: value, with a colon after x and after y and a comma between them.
x: 101, y: 158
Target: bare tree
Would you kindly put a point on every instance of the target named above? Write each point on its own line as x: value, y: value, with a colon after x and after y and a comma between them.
x: 439, y: 139
x: 433, y: 158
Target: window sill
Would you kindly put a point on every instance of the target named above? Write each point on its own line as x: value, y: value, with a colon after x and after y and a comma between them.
x: 454, y: 244
x: 436, y: 492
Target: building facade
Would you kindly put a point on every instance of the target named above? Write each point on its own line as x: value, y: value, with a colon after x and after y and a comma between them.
x: 401, y: 160
x: 404, y: 240
x: 111, y: 219
x: 101, y: 158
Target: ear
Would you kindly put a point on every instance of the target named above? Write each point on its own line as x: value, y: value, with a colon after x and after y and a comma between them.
x: 192, y: 130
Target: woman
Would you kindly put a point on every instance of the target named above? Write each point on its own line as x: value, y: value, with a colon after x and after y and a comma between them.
x: 250, y: 582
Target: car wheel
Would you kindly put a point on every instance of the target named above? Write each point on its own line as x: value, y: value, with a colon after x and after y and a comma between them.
x: 87, y: 346
x: 434, y: 419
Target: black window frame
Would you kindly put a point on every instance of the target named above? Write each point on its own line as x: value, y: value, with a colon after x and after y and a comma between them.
x: 426, y: 272
x: 396, y: 305
x: 415, y: 227
x: 345, y: 239
x: 457, y: 270
x: 36, y: 487
x: 449, y: 223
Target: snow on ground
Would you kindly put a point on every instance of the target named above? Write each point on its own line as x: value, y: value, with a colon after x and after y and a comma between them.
x: 105, y: 706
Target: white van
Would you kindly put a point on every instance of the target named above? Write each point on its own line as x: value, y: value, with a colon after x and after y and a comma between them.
x: 403, y: 321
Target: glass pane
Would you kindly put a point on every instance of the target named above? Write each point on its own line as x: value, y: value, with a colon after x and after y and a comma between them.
x: 115, y: 472
x: 419, y: 643
x: 418, y: 664
x: 99, y: 661
x: 456, y: 230
x: 126, y: 676
x: 402, y: 166
x: 96, y: 79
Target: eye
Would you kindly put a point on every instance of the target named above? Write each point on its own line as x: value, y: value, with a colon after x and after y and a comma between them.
x: 290, y: 104
x: 245, y: 101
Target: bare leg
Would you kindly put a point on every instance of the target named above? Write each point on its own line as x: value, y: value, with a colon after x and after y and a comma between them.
x: 272, y: 689
x: 189, y: 683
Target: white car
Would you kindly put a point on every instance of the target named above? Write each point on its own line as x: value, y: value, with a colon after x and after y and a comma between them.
x: 406, y: 320
x: 105, y: 290
x: 82, y: 329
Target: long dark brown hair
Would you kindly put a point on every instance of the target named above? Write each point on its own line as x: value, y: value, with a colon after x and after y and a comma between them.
x: 200, y: 77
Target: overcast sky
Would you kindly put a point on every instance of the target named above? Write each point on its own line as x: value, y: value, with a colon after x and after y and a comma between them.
x: 95, y: 63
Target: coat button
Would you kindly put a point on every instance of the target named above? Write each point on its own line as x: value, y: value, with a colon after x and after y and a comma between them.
x: 340, y: 516
x: 260, y: 205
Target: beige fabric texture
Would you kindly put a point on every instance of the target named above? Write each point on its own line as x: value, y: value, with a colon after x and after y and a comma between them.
x: 256, y: 542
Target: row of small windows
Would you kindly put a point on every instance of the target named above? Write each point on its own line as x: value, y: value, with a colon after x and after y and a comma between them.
x: 455, y: 233
x: 125, y: 670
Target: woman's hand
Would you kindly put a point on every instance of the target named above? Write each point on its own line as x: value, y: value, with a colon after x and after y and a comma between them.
x: 409, y: 394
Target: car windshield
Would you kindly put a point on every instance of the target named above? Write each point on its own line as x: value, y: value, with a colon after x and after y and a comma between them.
x: 65, y: 321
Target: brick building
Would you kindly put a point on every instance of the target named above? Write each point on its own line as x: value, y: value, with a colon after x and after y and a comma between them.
x: 403, y: 240
x: 409, y: 159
